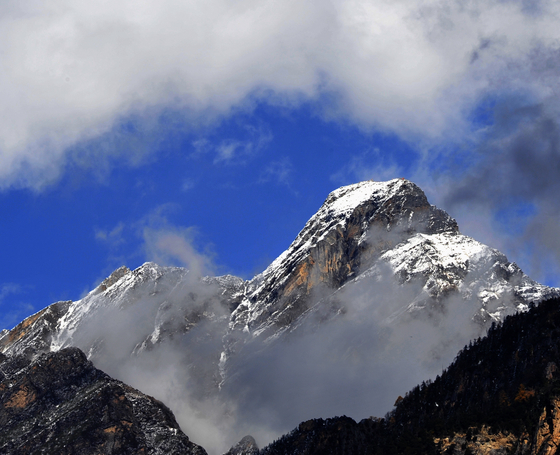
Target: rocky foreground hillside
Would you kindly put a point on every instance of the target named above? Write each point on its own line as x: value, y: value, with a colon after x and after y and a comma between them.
x: 59, y: 403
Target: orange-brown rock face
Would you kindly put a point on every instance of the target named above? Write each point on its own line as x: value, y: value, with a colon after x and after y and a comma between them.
x: 486, y: 441
x: 547, y: 437
x: 483, y: 442
x: 34, y: 333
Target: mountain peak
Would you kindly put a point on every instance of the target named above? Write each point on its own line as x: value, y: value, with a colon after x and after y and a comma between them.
x: 351, y: 196
x: 355, y: 225
x: 397, y: 202
x: 113, y: 278
x: 348, y: 198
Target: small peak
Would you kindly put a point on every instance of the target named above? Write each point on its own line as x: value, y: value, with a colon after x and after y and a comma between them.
x: 149, y: 268
x: 149, y: 265
x: 247, y: 446
x: 153, y: 269
x: 113, y: 278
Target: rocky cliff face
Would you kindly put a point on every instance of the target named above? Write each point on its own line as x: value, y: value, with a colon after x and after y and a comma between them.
x: 547, y: 437
x: 247, y: 446
x: 59, y: 403
x: 484, y: 441
x: 371, y: 231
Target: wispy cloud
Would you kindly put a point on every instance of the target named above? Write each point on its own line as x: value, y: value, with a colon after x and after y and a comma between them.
x: 168, y: 244
x: 279, y: 171
x: 188, y: 184
x: 201, y: 146
x: 113, y: 236
x: 7, y: 289
x: 14, y: 309
x: 154, y: 237
x: 366, y: 166
x: 237, y: 151
x: 251, y: 141
x: 174, y: 246
x: 228, y: 150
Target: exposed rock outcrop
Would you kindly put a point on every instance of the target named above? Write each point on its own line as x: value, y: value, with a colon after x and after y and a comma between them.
x: 60, y: 403
x: 483, y: 442
x: 247, y: 446
x: 547, y: 437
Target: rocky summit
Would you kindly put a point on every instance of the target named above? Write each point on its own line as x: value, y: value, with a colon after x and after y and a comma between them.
x: 351, y: 230
x: 364, y: 229
x: 377, y: 292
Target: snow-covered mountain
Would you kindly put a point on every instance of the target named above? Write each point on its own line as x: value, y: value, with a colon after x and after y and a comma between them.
x: 379, y: 289
x: 369, y: 226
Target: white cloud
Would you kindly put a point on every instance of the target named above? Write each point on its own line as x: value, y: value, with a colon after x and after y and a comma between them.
x: 235, y: 151
x: 114, y: 236
x: 173, y: 246
x: 70, y: 70
x: 188, y: 184
x: 14, y: 311
x: 227, y: 150
x: 168, y: 244
x: 368, y: 165
x: 279, y: 171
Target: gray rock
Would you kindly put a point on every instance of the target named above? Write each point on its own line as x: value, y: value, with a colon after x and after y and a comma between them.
x: 247, y: 446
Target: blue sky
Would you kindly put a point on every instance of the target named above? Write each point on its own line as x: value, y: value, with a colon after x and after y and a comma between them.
x: 205, y: 134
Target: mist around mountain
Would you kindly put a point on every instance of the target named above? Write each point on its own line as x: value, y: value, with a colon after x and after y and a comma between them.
x: 500, y: 395
x: 377, y: 294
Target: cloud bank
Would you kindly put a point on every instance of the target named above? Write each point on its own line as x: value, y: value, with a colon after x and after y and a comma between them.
x: 73, y: 72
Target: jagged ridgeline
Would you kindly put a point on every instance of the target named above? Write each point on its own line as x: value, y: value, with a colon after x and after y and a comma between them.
x: 501, y: 395
x: 377, y: 293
